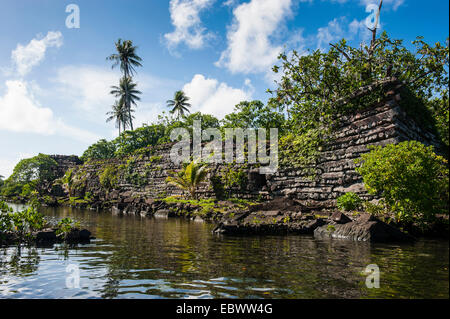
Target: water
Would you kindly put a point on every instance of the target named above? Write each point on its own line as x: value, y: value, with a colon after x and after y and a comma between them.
x: 136, y: 257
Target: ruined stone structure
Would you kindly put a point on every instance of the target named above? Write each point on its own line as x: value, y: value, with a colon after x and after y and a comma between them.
x: 65, y: 162
x: 143, y: 179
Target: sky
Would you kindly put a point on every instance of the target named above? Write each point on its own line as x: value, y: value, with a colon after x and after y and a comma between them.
x: 55, y: 79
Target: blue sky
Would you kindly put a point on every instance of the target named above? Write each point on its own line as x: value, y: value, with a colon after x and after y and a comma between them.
x: 54, y: 81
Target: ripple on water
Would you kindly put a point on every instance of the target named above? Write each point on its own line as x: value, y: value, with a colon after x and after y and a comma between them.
x: 145, y: 258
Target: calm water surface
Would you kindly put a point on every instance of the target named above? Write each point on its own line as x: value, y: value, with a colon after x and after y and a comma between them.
x: 136, y: 257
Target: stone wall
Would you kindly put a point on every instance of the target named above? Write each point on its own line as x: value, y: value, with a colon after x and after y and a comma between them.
x: 381, y: 125
x: 144, y: 178
x: 65, y: 162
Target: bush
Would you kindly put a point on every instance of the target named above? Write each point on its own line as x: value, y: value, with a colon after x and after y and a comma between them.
x: 65, y: 226
x: 411, y: 179
x: 100, y: 150
x: 108, y: 178
x: 349, y: 201
x: 23, y: 222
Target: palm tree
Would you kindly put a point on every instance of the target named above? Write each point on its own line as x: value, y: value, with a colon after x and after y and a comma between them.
x: 189, y: 178
x: 179, y: 104
x: 120, y: 114
x: 126, y: 57
x: 128, y: 95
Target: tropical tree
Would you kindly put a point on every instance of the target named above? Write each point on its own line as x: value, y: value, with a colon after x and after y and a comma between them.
x: 125, y: 57
x: 189, y: 178
x: 320, y: 86
x: 179, y: 104
x: 120, y: 114
x: 102, y: 149
x: 128, y: 95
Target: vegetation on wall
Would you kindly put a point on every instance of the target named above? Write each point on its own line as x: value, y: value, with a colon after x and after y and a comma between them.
x: 189, y: 178
x: 314, y: 92
x: 349, y: 201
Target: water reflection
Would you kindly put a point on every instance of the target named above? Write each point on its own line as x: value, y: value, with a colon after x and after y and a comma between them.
x: 136, y: 257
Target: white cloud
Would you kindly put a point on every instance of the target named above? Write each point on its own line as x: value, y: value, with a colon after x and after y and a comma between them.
x: 250, y: 49
x: 20, y: 112
x: 394, y: 4
x: 340, y: 28
x: 230, y: 3
x: 213, y: 97
x: 87, y: 87
x: 185, y: 16
x: 30, y: 55
x: 332, y: 32
x: 7, y: 164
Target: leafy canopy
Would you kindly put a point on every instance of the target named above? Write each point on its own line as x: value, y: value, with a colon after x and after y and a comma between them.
x: 40, y: 168
x: 315, y: 88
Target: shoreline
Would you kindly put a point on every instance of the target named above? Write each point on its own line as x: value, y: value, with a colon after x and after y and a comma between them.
x: 280, y: 216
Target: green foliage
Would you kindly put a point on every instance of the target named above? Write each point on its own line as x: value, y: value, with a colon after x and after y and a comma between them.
x: 23, y: 222
x: 440, y: 112
x: 28, y: 175
x: 230, y: 177
x: 68, y: 181
x: 130, y: 141
x: 189, y: 178
x: 40, y: 168
x: 349, y: 201
x: 255, y: 114
x: 234, y: 177
x: 302, y: 150
x: 217, y: 186
x: 11, y: 189
x: 179, y: 104
x: 28, y: 188
x: 65, y: 226
x: 126, y: 92
x: 376, y: 209
x: 100, y: 150
x: 410, y: 177
x: 131, y: 175
x: 187, y: 122
x: 318, y: 86
x: 109, y: 177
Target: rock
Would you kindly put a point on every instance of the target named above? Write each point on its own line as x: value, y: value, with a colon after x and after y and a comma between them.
x: 143, y: 213
x: 271, y: 213
x: 278, y: 204
x: 46, y: 235
x: 365, y: 228
x: 115, y: 210
x: 84, y: 234
x: 198, y: 219
x: 340, y: 218
x: 163, y: 213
